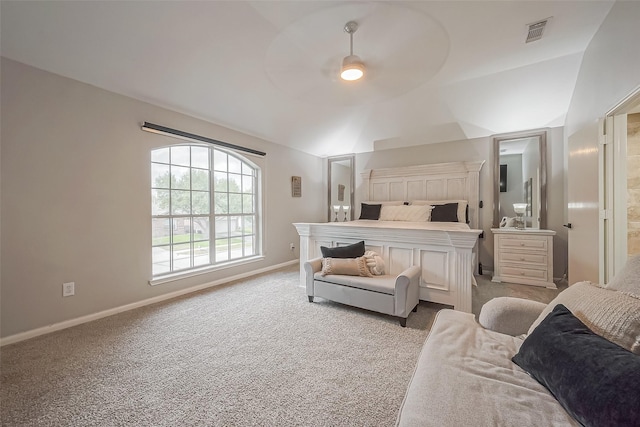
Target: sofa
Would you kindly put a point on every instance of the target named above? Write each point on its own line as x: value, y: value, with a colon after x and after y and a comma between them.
x: 574, y: 361
x: 342, y: 275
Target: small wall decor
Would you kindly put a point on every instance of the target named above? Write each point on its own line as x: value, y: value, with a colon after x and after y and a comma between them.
x: 296, y: 186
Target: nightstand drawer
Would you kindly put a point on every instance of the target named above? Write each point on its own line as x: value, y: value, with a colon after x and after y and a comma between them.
x: 525, y: 257
x: 525, y: 273
x: 513, y: 243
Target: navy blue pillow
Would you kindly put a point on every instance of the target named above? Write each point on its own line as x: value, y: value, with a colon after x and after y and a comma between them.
x: 350, y: 251
x: 447, y: 212
x: 595, y: 380
x: 370, y: 211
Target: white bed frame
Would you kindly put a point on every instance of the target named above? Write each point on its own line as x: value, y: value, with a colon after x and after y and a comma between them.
x: 445, y: 256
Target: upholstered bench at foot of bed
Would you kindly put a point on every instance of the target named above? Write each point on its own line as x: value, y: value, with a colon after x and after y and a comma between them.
x: 393, y: 295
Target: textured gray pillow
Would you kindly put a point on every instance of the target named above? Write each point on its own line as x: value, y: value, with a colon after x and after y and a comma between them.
x: 612, y: 315
x: 628, y: 279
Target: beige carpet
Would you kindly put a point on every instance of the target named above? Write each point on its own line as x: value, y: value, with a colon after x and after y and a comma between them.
x: 252, y: 353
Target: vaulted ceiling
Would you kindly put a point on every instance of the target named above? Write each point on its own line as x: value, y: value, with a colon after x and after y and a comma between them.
x: 436, y: 70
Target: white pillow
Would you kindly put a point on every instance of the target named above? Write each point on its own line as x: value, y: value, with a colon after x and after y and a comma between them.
x: 375, y: 263
x: 462, y: 206
x: 628, y: 279
x: 405, y: 213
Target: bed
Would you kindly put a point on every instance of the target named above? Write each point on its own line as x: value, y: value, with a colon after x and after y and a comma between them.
x: 444, y: 251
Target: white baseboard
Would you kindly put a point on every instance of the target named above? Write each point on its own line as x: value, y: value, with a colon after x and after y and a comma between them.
x: 110, y: 312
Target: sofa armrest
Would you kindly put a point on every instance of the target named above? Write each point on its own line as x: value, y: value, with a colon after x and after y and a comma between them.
x: 407, y: 291
x: 508, y: 315
x: 311, y: 267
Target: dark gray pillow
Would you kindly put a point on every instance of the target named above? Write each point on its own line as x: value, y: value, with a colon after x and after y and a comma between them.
x: 595, y: 380
x: 370, y: 211
x: 350, y: 251
x: 445, y: 213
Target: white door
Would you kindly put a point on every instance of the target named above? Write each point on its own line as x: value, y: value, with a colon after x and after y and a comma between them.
x: 582, y: 200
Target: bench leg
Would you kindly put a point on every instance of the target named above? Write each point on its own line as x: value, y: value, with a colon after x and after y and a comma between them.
x: 403, y: 322
x: 310, y: 298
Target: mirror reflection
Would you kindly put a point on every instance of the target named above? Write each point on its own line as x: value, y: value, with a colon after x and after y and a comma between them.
x: 341, y: 179
x: 520, y: 181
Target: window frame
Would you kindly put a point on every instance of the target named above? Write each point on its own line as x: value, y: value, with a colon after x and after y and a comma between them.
x: 247, y: 170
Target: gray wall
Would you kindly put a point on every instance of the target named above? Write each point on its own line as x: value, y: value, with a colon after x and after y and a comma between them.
x: 482, y: 149
x: 75, y: 198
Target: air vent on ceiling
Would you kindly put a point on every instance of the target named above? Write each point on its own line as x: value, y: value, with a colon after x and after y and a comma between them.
x: 535, y: 30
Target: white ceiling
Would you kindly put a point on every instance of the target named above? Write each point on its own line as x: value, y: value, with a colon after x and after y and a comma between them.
x: 436, y: 71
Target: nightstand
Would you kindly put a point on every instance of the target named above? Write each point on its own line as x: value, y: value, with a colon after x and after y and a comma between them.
x: 523, y: 256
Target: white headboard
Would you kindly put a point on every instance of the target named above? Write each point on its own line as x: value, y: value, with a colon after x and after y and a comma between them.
x: 437, y: 181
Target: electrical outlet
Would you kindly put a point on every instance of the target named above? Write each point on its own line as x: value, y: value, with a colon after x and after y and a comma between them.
x: 68, y: 289
x: 291, y: 246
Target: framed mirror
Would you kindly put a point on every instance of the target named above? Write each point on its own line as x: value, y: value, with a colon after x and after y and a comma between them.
x: 520, y: 177
x: 341, y: 183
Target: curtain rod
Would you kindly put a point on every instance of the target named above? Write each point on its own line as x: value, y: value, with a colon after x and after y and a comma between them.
x: 150, y: 127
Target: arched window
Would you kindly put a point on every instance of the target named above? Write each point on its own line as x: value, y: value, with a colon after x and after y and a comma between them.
x: 204, y: 208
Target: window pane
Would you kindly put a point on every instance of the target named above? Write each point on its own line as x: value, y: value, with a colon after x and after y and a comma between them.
x: 222, y: 250
x: 248, y: 225
x: 160, y: 155
x: 160, y: 231
x: 160, y: 259
x: 181, y: 256
x: 222, y: 227
x: 235, y: 183
x: 249, y: 246
x: 247, y: 184
x: 235, y: 165
x: 181, y: 230
x: 220, y: 160
x: 199, y: 179
x: 199, y: 203
x: 200, y: 157
x: 180, y: 202
x: 180, y: 155
x: 159, y: 175
x: 201, y: 253
x: 247, y: 203
x: 235, y: 222
x: 247, y: 170
x: 180, y: 178
x: 160, y: 202
x: 220, y: 181
x: 235, y: 203
x: 221, y: 203
x: 236, y: 247
x: 201, y: 228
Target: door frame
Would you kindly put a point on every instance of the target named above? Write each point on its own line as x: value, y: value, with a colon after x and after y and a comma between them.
x: 613, y: 187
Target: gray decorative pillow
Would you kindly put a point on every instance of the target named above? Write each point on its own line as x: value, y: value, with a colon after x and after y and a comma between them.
x: 610, y: 314
x: 370, y: 211
x: 350, y: 251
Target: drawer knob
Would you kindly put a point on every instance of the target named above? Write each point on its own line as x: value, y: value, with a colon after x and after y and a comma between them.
x: 522, y: 259
x: 521, y: 243
x: 522, y: 273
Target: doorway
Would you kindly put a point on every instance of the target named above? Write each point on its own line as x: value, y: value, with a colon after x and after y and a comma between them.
x: 620, y: 177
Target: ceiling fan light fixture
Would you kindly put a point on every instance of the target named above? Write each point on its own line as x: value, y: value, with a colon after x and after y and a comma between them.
x: 352, y: 66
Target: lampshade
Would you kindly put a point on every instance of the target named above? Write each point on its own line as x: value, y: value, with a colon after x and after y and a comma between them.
x: 520, y: 208
x: 352, y: 68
